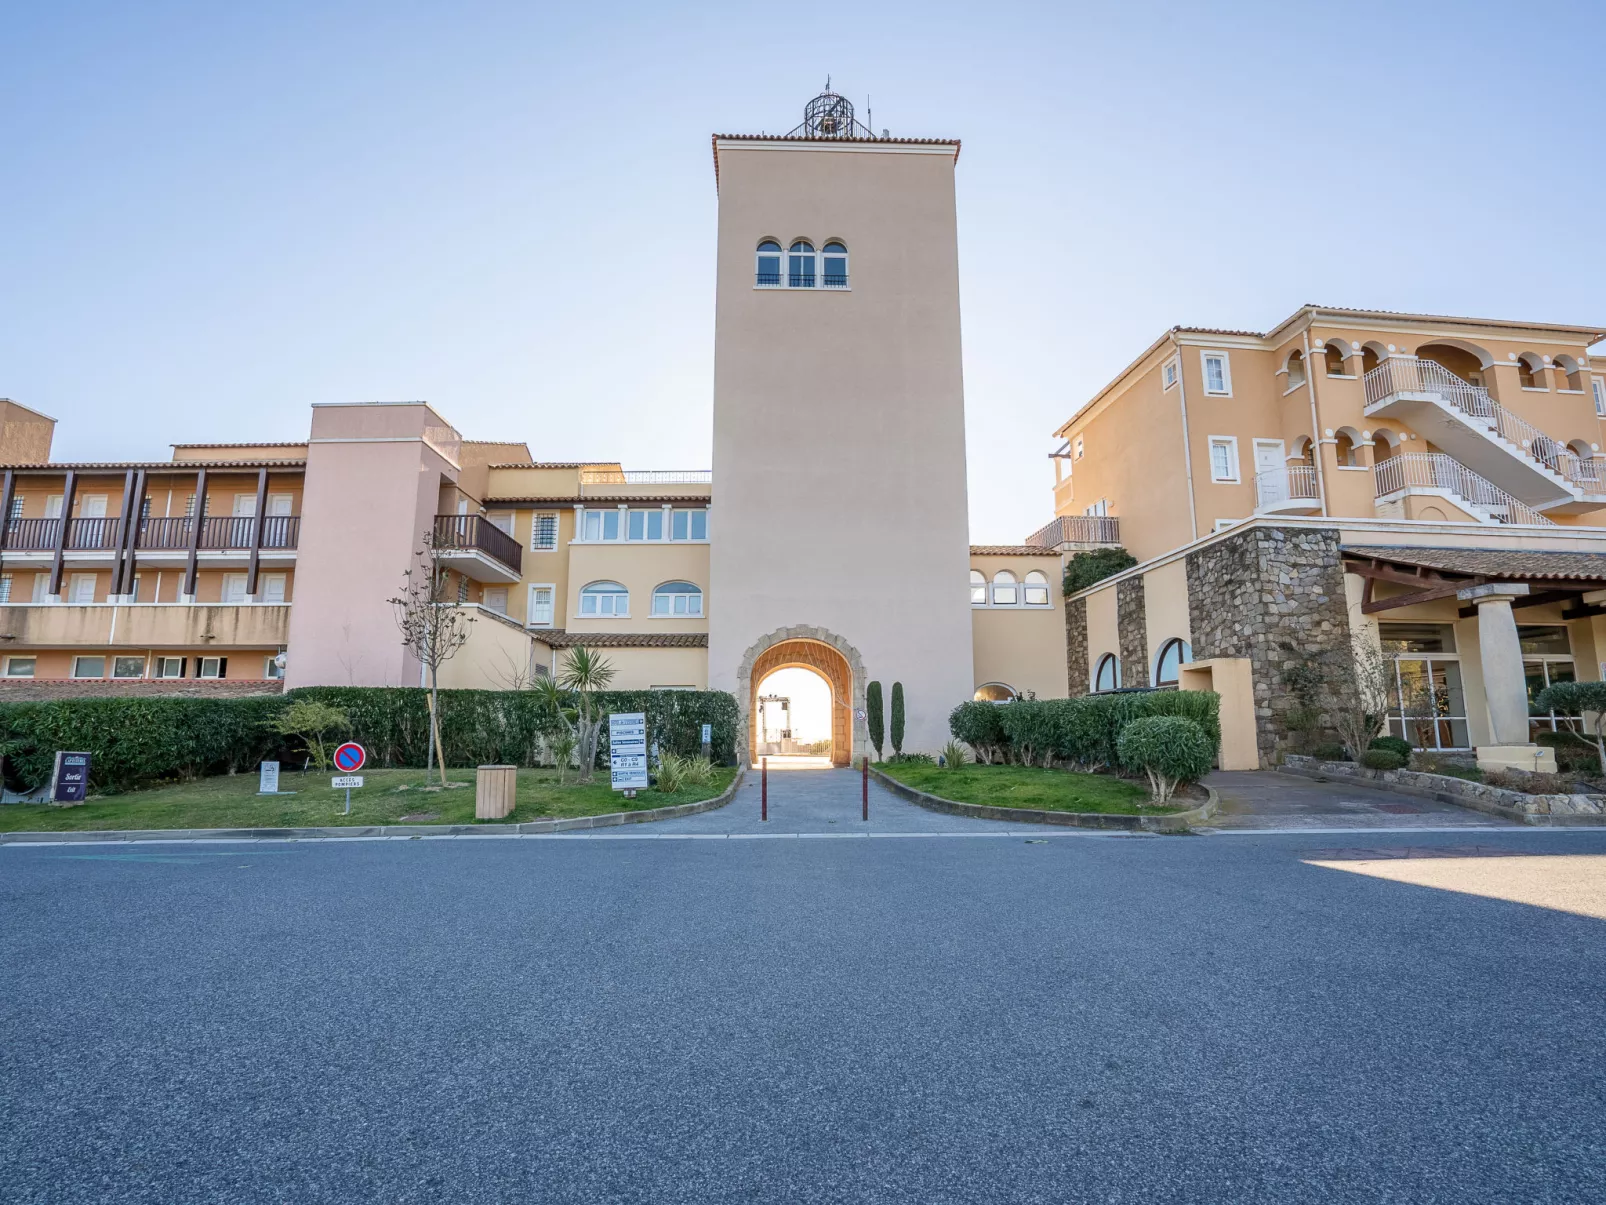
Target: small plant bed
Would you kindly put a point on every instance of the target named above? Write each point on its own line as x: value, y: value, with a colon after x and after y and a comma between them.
x: 1031, y: 787
x: 387, y: 797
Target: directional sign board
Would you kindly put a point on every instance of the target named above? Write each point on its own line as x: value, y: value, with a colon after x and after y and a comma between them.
x: 627, y: 751
x: 268, y: 783
x: 70, y: 782
x: 350, y: 757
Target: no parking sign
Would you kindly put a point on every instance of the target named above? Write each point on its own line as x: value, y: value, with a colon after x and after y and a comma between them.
x: 350, y: 757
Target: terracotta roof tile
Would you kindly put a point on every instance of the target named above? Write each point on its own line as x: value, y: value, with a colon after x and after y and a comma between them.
x: 1505, y: 564
x: 560, y: 639
x: 1011, y: 550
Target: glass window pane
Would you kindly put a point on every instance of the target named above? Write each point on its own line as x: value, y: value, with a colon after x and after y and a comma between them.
x: 638, y: 524
x: 660, y: 604
x: 128, y: 667
x: 593, y: 525
x: 1417, y: 637
x: 1544, y: 638
x: 679, y: 527
x: 655, y: 525
x: 699, y: 525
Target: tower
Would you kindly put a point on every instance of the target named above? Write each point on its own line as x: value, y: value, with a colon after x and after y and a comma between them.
x: 840, y: 528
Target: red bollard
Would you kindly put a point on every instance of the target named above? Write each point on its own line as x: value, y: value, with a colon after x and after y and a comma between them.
x: 764, y: 788
x: 865, y: 776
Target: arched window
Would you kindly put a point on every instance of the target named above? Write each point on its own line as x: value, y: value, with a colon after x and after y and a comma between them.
x: 1296, y: 368
x: 1372, y: 355
x: 978, y: 589
x: 834, y: 265
x: 1108, y: 675
x: 1346, y: 443
x: 1569, y: 373
x: 1036, y: 589
x: 800, y: 265
x: 605, y: 599
x: 1005, y: 592
x: 1174, y: 654
x: 768, y: 275
x: 993, y: 692
x: 1530, y: 371
x: 677, y: 598
x: 1336, y: 355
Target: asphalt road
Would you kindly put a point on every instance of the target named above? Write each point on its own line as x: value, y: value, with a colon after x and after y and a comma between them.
x: 902, y: 1019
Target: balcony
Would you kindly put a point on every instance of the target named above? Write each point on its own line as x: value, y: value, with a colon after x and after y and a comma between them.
x: 145, y: 625
x: 1462, y: 418
x: 478, y: 548
x: 279, y: 532
x: 646, y: 476
x: 1441, y: 475
x: 1288, y: 491
x: 1078, y: 533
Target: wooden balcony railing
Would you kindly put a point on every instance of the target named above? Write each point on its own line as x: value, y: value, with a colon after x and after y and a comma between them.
x: 32, y: 535
x: 473, y: 532
x: 219, y: 532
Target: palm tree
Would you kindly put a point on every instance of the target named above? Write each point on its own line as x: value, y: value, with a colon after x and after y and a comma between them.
x: 571, y: 699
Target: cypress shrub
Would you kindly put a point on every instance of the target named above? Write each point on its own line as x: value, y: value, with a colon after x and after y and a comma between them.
x: 873, y: 717
x: 897, y: 719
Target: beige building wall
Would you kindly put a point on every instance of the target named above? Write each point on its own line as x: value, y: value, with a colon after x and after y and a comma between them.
x: 1022, y: 647
x: 1165, y: 608
x: 839, y: 449
x: 640, y: 568
x: 644, y: 668
x: 1103, y: 632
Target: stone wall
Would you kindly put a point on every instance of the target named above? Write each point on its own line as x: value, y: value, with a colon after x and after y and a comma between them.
x: 33, y: 690
x: 1132, y: 629
x: 1276, y: 596
x: 1077, y: 670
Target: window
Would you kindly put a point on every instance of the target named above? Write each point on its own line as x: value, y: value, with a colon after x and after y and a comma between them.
x: 133, y: 591
x: 128, y: 667
x: 605, y: 599
x: 834, y: 263
x: 768, y: 265
x: 41, y: 587
x: 233, y: 588
x: 5, y: 588
x: 1546, y: 658
x: 210, y: 667
x: 16, y: 503
x: 978, y: 589
x: 1036, y: 589
x: 279, y: 505
x: 1530, y: 372
x: 1168, y: 374
x: 1334, y: 355
x: 677, y: 598
x: 1296, y: 371
x: 53, y: 506
x: 993, y: 692
x: 170, y: 667
x: 601, y: 525
x: 1600, y: 396
x: 1223, y: 458
x: 20, y: 667
x: 689, y: 525
x: 92, y: 506
x: 270, y: 588
x: 462, y: 590
x: 1108, y: 674
x: 647, y: 524
x: 1217, y: 373
x: 540, y: 612
x: 81, y: 590
x: 502, y: 521
x: 1174, y: 654
x: 89, y: 667
x: 800, y: 265
x: 245, y: 506
x: 1099, y: 509
x: 494, y: 598
x: 271, y: 669
x: 1427, y: 705
x: 1005, y: 592
x: 544, y: 533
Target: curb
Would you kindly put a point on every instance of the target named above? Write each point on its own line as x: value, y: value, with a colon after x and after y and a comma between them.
x: 529, y: 827
x: 1170, y: 823
x: 1359, y: 777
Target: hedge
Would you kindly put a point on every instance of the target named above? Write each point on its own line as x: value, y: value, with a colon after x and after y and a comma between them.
x: 1084, y: 730
x: 140, y: 741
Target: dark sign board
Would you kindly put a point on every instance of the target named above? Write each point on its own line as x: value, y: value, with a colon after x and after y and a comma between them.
x: 71, y: 778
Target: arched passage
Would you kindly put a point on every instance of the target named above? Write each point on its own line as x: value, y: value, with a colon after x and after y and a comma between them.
x: 828, y: 655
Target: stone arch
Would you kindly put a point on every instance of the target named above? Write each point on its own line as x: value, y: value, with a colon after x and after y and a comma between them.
x: 828, y: 655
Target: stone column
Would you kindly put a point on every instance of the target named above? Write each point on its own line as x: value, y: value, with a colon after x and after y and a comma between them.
x: 1505, y: 689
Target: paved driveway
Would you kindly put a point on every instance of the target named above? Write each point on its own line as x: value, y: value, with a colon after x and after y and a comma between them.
x: 1270, y: 800
x: 964, y: 1019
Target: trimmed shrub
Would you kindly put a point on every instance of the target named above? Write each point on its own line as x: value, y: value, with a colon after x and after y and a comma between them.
x: 1393, y: 744
x: 911, y: 759
x: 978, y: 725
x: 1083, y: 730
x: 1332, y: 752
x: 873, y: 716
x: 1030, y: 725
x: 1170, y: 749
x: 1086, y: 568
x: 896, y: 723
x: 1383, y: 759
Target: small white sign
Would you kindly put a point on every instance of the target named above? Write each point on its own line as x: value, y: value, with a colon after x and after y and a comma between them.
x: 627, y: 751
x: 269, y: 783
x: 708, y: 734
x: 349, y: 782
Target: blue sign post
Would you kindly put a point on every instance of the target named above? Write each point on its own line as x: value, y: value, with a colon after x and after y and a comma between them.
x: 350, y: 758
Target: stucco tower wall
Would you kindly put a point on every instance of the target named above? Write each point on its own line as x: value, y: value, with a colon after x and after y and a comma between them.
x: 374, y: 475
x: 839, y: 451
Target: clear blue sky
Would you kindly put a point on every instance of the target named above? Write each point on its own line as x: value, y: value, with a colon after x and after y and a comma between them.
x: 214, y: 214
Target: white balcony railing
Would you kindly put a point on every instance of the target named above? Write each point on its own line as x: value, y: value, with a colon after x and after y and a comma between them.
x: 1296, y: 483
x: 646, y: 476
x: 1408, y: 374
x: 1435, y: 470
x: 1077, y: 529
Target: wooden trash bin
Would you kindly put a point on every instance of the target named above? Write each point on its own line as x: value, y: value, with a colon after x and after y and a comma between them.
x: 495, y: 791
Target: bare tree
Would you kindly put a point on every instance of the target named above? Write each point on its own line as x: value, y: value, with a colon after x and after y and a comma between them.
x: 1363, y: 715
x: 433, y: 627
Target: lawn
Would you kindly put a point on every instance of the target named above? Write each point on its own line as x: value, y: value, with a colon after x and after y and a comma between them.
x: 1027, y: 787
x: 386, y: 797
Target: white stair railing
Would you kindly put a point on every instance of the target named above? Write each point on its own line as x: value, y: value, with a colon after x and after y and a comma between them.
x: 1435, y: 470
x: 1295, y: 483
x: 1409, y: 374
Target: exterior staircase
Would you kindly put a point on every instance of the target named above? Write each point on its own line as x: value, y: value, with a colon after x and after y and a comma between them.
x: 1499, y: 448
x: 1437, y: 473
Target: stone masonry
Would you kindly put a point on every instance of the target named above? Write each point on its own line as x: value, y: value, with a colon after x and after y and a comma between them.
x: 1076, y: 666
x: 1276, y: 596
x: 1131, y: 616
